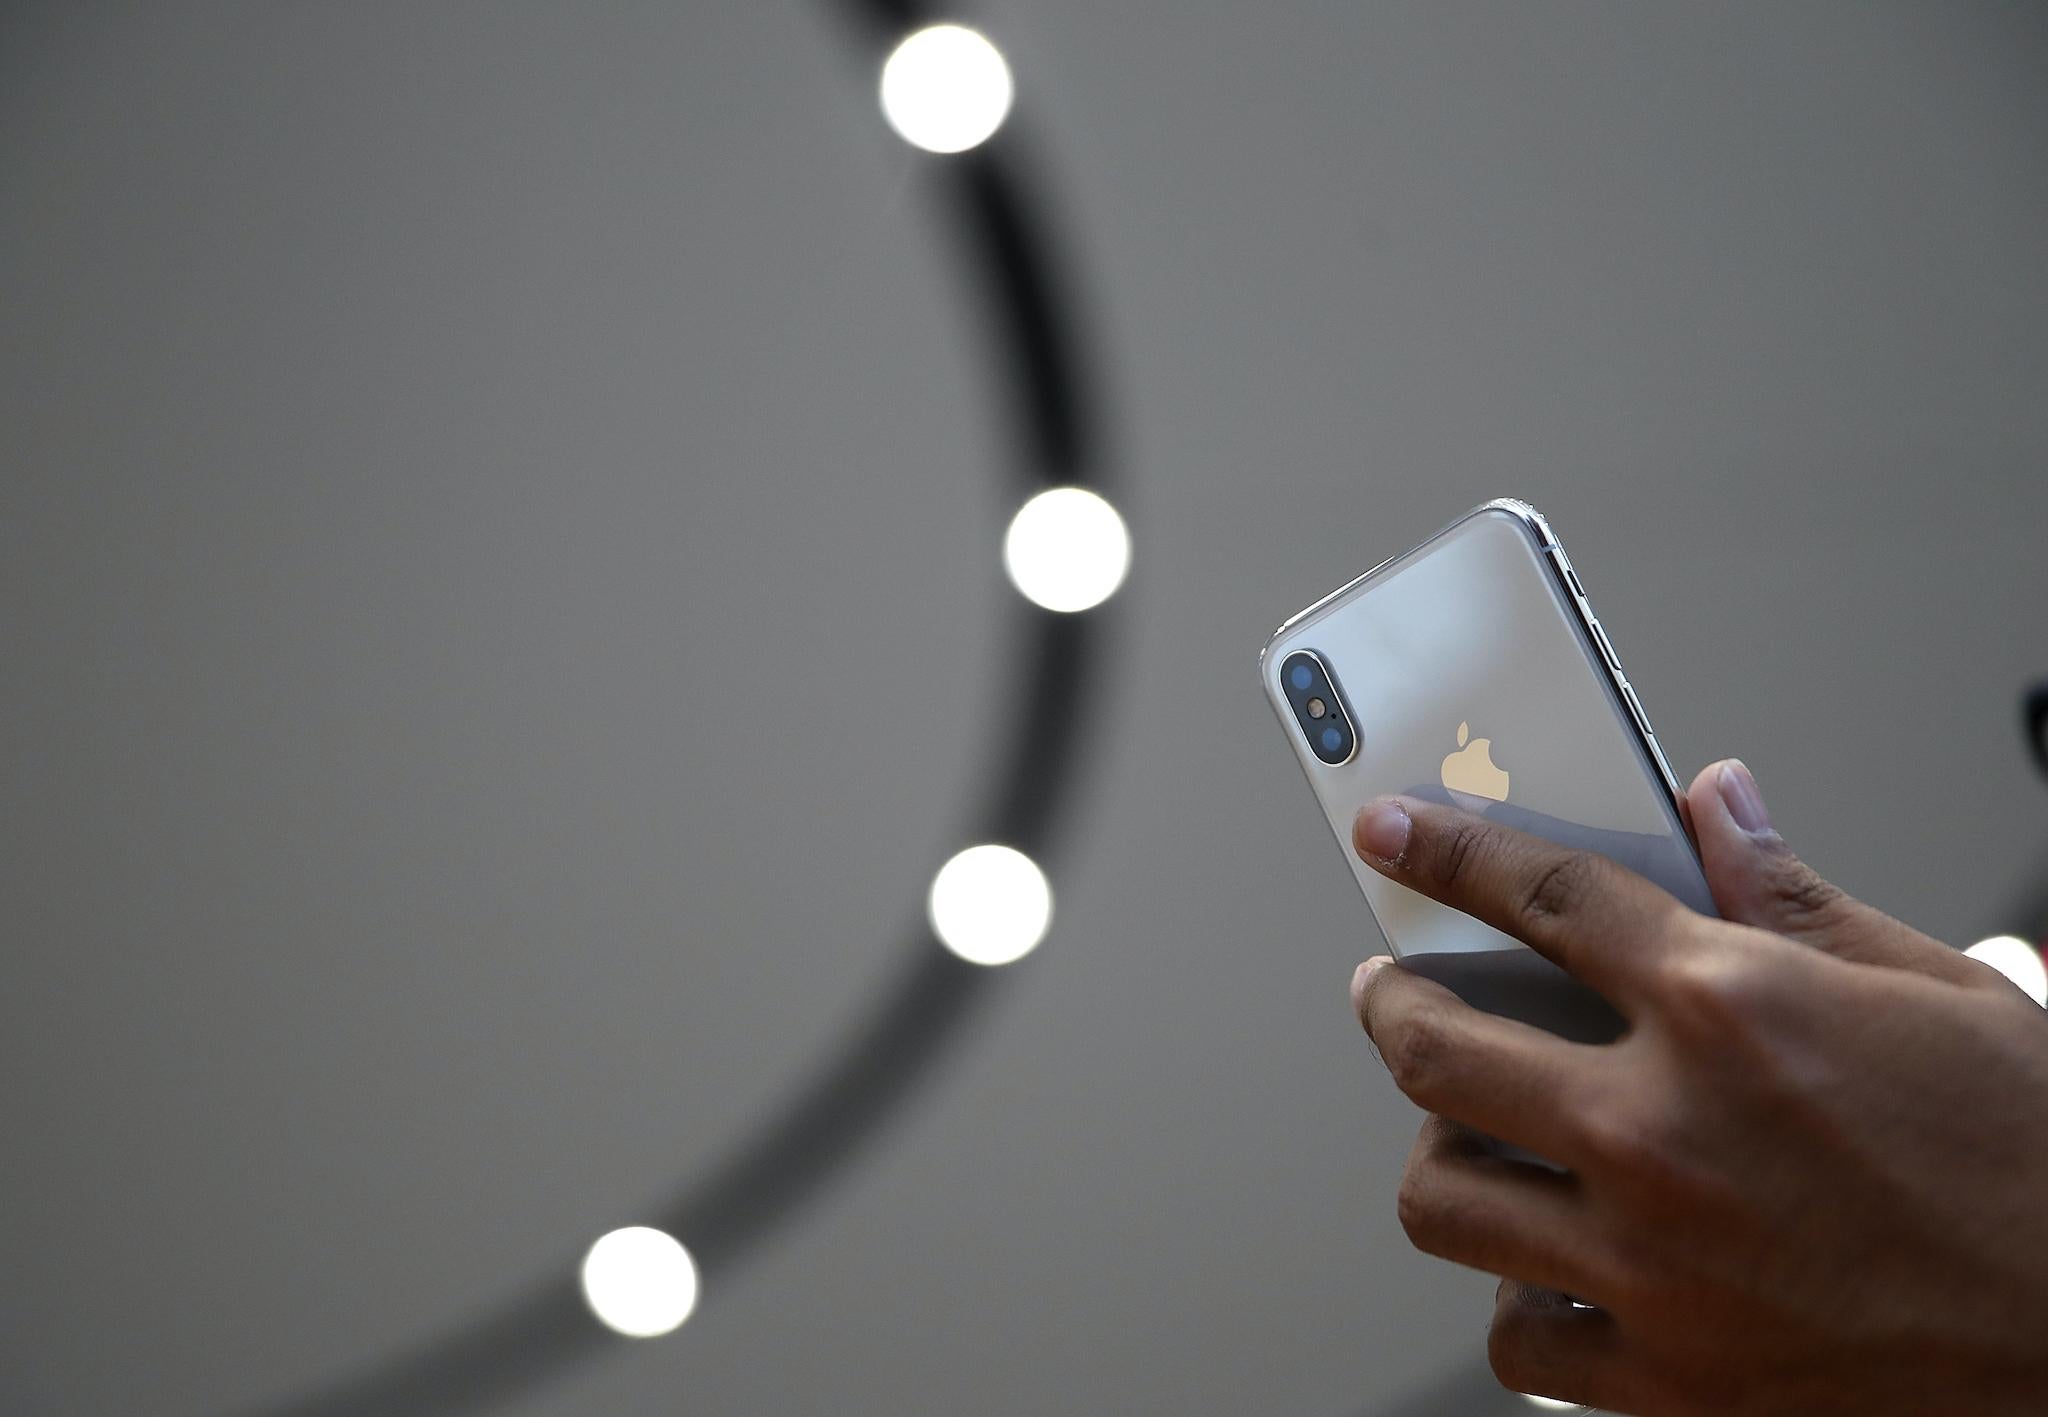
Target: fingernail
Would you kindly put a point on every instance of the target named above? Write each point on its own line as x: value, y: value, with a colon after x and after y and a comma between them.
x: 1744, y: 802
x: 1381, y: 831
x: 1367, y: 970
x: 1361, y: 977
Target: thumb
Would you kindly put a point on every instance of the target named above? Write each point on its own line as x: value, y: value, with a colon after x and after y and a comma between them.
x: 1757, y: 880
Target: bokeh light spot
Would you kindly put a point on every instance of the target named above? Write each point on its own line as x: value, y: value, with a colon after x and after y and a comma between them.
x: 990, y: 904
x: 639, y: 1281
x: 946, y: 89
x: 1067, y: 549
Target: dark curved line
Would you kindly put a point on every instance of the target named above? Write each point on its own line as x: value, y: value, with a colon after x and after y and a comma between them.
x: 809, y: 1141
x: 888, y: 19
x: 726, y: 1216
x: 723, y: 1219
x: 541, y: 1333
x: 786, y: 1165
x: 1005, y: 234
x: 2034, y: 716
x: 1048, y: 748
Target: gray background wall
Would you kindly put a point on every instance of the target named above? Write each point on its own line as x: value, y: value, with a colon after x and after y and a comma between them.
x: 436, y: 434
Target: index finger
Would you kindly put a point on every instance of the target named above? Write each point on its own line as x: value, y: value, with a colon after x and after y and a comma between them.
x: 1577, y: 909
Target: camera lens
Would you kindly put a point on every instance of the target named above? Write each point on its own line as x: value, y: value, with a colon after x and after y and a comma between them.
x: 1317, y: 702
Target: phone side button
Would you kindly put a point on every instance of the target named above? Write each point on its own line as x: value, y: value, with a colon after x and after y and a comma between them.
x: 1635, y: 706
x: 1564, y: 564
x: 1606, y: 645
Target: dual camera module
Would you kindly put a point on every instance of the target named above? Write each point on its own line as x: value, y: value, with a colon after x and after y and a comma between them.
x: 1318, y: 708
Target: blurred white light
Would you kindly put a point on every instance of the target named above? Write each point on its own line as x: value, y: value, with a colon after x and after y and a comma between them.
x: 946, y: 89
x: 990, y: 904
x: 1549, y: 1403
x: 639, y: 1281
x: 2016, y: 960
x: 1067, y: 549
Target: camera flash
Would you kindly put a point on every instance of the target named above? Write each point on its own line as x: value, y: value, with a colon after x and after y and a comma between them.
x: 1317, y: 708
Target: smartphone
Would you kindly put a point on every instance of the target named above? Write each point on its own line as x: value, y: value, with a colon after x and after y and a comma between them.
x: 1472, y: 670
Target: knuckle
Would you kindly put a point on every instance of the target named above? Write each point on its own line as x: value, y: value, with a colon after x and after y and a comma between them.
x: 1805, y: 900
x: 1716, y: 992
x: 1463, y: 843
x: 1652, y: 1168
x: 1416, y: 1209
x: 1559, y: 889
x: 1414, y: 1053
x: 1619, y: 1138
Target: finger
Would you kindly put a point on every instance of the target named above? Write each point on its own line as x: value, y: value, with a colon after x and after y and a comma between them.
x: 1540, y: 1343
x: 1463, y: 1202
x: 1579, y: 910
x: 1507, y: 1079
x: 1757, y: 880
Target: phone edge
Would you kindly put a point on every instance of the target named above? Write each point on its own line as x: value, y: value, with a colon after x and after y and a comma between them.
x: 1565, y: 582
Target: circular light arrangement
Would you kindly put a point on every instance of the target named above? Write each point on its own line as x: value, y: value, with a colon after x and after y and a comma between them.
x: 1067, y: 549
x: 2017, y: 960
x: 640, y: 1282
x: 990, y: 905
x: 946, y: 89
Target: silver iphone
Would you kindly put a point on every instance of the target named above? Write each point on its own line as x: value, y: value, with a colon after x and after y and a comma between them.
x: 1473, y: 671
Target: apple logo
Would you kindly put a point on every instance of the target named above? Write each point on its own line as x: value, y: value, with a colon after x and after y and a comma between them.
x: 1470, y: 774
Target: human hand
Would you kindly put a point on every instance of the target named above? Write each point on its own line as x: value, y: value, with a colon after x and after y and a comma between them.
x: 1808, y: 1179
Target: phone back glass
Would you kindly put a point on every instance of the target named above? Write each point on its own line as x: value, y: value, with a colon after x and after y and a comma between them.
x: 1477, y: 628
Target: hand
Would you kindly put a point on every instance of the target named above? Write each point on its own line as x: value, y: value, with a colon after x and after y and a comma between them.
x: 1811, y: 1178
